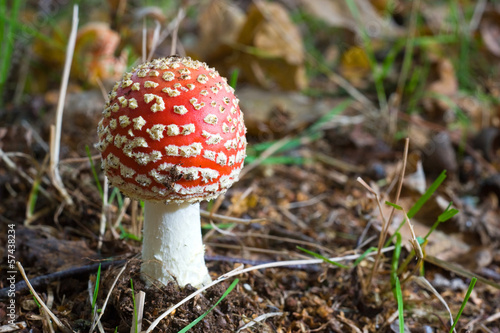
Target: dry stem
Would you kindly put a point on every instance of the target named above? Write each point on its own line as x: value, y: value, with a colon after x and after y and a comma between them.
x: 55, y: 130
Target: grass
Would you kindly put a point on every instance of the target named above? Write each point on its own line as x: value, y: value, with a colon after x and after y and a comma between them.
x: 96, y: 290
x: 8, y: 29
x: 312, y: 133
x: 399, y: 299
x: 420, y: 202
x: 466, y: 299
x: 136, y: 328
x: 200, y: 318
x: 325, y: 259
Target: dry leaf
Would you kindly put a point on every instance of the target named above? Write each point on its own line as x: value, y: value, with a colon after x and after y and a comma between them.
x: 279, y: 113
x: 355, y: 66
x: 337, y: 14
x: 94, y: 58
x: 490, y: 32
x: 446, y: 85
x: 272, y: 46
x: 219, y: 24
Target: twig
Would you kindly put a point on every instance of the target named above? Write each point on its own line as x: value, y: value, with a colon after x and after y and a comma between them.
x: 40, y: 301
x: 424, y: 283
x: 55, y: 130
x: 154, y: 41
x: 386, y: 224
x: 265, y: 154
x: 144, y: 39
x: 478, y: 14
x: 230, y: 219
x: 104, y: 211
x: 12, y: 166
x: 46, y: 279
x: 258, y: 320
x: 95, y: 318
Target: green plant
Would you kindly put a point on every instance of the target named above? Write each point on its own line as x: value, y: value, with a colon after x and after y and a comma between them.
x: 325, y: 259
x: 197, y: 320
x: 466, y: 299
x: 96, y: 289
x: 399, y: 299
x: 312, y: 133
x: 136, y: 328
x: 8, y: 29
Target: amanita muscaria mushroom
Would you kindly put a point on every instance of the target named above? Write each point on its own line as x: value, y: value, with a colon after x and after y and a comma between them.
x: 172, y: 135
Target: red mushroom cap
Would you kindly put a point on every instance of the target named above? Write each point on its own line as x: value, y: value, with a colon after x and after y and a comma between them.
x: 172, y: 131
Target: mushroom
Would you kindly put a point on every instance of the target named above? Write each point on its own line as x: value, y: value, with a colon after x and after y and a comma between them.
x: 172, y: 134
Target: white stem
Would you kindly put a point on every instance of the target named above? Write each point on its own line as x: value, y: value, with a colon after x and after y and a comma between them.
x: 172, y: 247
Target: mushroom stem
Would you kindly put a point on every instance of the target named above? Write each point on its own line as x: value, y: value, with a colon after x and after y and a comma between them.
x: 172, y: 245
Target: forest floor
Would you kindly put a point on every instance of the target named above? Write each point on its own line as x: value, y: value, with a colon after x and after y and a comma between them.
x: 328, y: 102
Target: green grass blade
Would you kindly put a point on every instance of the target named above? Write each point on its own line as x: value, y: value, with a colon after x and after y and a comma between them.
x: 312, y: 133
x: 206, y: 226
x: 33, y: 196
x: 96, y: 288
x: 466, y: 299
x: 448, y: 214
x: 338, y: 109
x: 94, y: 172
x: 325, y: 259
x: 135, y: 307
x: 443, y: 217
x: 399, y: 298
x: 197, y: 320
x: 395, y: 263
x: 363, y: 256
x: 34, y: 298
x: 233, y: 80
x: 393, y: 205
x: 7, y: 43
x: 426, y: 196
x: 115, y: 193
x: 124, y: 234
x: 420, y: 202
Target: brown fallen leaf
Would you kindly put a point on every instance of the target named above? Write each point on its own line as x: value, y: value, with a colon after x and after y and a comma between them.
x: 272, y: 51
x: 337, y: 14
x: 219, y: 24
x: 276, y: 114
x: 94, y: 57
x: 355, y: 66
x: 490, y: 32
x: 446, y: 85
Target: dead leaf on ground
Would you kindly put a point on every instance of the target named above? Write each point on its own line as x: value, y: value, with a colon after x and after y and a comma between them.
x: 279, y: 113
x: 219, y: 25
x: 337, y: 14
x: 490, y: 32
x: 444, y: 86
x: 95, y: 49
x: 272, y: 47
x: 355, y: 66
